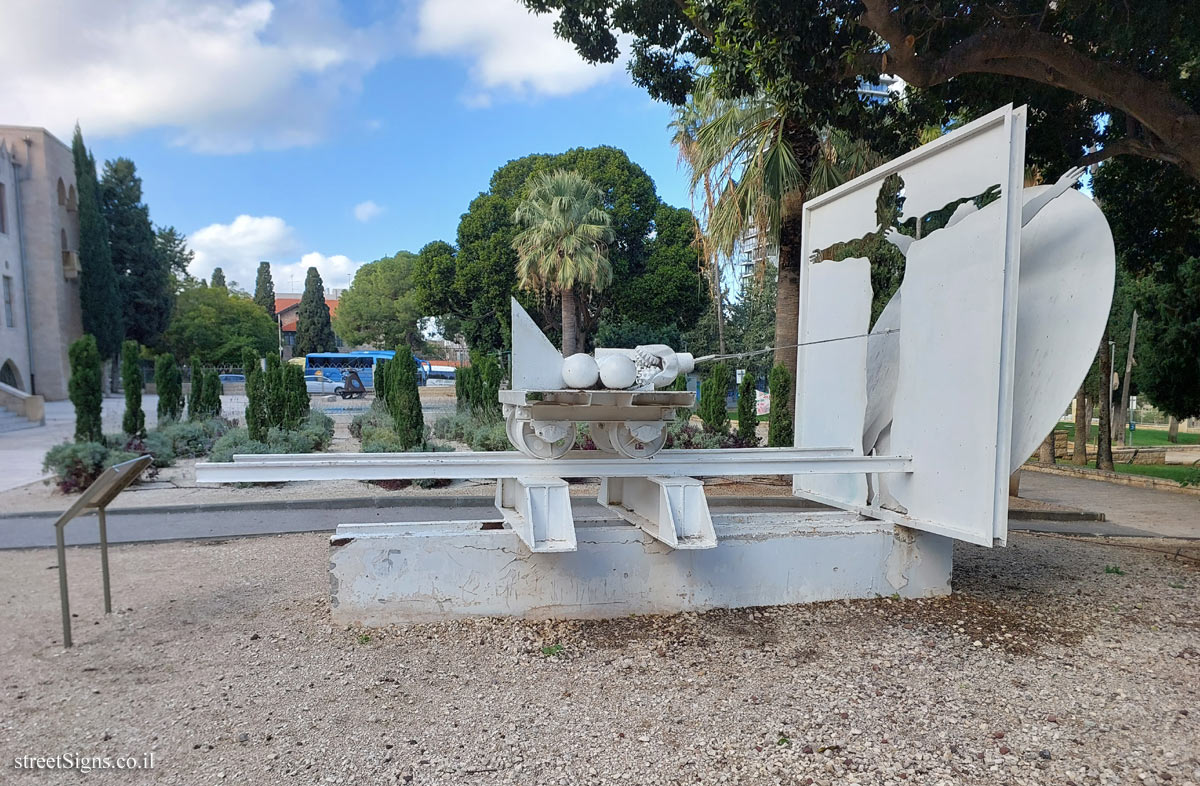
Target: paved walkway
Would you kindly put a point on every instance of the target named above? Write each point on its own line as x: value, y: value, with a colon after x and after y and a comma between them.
x: 21, y: 451
x: 1128, y: 510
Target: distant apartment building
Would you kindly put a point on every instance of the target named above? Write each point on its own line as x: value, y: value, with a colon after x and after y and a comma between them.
x: 39, y: 261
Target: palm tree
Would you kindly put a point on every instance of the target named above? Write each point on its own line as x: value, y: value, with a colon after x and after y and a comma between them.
x: 564, y: 245
x: 762, y: 164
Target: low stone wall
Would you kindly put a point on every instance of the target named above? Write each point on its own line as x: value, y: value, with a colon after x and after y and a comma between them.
x: 30, y: 407
x: 1151, y: 455
x: 1139, y: 481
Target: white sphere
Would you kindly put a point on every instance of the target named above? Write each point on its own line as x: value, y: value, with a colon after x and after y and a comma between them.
x: 580, y: 371
x: 617, y: 372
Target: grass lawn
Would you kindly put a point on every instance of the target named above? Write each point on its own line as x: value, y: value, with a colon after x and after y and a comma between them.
x: 1176, y: 472
x: 1142, y: 437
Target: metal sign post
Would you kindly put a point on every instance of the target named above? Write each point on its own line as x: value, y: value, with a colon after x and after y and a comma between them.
x: 97, y: 496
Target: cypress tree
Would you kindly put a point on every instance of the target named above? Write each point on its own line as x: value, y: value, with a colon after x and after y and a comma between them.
x: 257, y: 417
x: 212, y: 389
x: 142, y: 268
x: 264, y: 288
x: 487, y: 388
x: 86, y: 389
x: 99, y: 296
x: 747, y: 411
x: 383, y: 380
x: 294, y: 396
x: 779, y: 431
x: 712, y: 399
x: 195, y: 399
x: 218, y: 278
x: 134, y: 421
x: 276, y: 402
x: 404, y: 402
x: 314, y: 332
x: 169, y: 383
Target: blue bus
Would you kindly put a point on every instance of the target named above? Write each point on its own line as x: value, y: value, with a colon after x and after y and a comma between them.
x: 332, y: 365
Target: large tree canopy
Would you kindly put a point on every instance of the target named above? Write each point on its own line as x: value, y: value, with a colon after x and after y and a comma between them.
x: 1133, y: 61
x: 473, y: 282
x: 381, y: 307
x: 99, y: 291
x: 216, y: 326
x: 1154, y: 213
x: 143, y: 270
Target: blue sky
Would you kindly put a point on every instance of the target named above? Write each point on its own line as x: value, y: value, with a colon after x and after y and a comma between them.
x: 318, y: 132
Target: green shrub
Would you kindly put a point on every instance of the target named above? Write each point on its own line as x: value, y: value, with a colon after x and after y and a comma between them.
x: 376, y: 416
x: 318, y: 429
x: 169, y: 382
x: 189, y: 439
x: 236, y: 441
x: 684, y: 436
x: 779, y: 431
x: 158, y: 445
x: 75, y: 464
x: 86, y: 389
x: 313, y: 435
x: 133, y: 422
x: 713, y: 391
x: 747, y: 410
x: 480, y: 433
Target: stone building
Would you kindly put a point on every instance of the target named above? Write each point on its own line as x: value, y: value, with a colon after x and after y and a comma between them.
x: 39, y: 261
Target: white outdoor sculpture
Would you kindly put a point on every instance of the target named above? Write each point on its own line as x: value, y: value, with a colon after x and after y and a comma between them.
x: 916, y: 422
x: 615, y: 392
x: 976, y: 355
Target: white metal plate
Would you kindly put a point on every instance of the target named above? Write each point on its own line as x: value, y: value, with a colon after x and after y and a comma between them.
x: 833, y: 359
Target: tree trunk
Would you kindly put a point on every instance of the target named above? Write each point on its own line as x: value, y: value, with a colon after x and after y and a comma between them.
x: 1104, y: 458
x: 719, y: 302
x: 1124, y: 410
x: 1172, y: 429
x: 1079, y: 447
x: 570, y: 325
x: 787, y: 300
x: 1046, y: 450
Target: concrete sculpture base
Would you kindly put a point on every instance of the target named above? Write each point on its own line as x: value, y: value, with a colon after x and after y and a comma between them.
x: 382, y: 574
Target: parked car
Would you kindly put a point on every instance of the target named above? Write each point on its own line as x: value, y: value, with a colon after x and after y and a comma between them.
x: 319, y: 385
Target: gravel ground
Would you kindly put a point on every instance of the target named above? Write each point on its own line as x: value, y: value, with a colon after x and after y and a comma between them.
x: 1042, y: 667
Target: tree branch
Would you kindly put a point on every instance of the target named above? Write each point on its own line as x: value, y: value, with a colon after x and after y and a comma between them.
x: 1172, y: 125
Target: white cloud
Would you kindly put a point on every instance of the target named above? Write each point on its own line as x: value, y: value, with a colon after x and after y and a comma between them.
x: 512, y: 50
x: 238, y: 247
x: 225, y: 75
x: 365, y: 211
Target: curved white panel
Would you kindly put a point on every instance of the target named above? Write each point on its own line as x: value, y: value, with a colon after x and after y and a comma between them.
x: 1068, y: 266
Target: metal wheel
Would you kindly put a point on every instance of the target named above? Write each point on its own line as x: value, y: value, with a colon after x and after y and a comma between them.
x: 638, y: 440
x: 541, y: 439
x: 601, y: 433
x: 340, y: 392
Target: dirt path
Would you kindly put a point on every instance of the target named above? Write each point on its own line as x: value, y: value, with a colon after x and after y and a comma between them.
x: 1041, y: 668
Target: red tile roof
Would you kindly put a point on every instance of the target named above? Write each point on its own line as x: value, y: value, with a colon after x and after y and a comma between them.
x: 285, y: 308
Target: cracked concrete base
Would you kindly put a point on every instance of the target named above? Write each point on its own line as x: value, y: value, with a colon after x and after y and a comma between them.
x: 383, y: 574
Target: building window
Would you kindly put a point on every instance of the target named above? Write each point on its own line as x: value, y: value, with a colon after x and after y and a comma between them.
x: 3, y: 211
x: 62, y: 192
x: 8, y: 301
